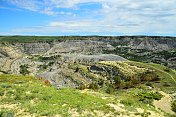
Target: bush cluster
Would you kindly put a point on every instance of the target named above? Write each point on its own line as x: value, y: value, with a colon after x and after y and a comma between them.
x: 24, y: 69
x: 48, y: 58
x: 147, y: 97
x: 174, y: 106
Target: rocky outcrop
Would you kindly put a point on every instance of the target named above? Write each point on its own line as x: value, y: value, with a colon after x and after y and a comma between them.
x: 3, y: 54
x: 148, y: 44
x: 109, y: 71
x: 58, y: 79
x: 93, y: 58
x: 81, y: 47
x: 88, y: 51
x: 32, y: 65
x: 144, y: 42
x: 171, y: 42
x: 72, y: 46
x: 33, y: 48
x: 91, y: 45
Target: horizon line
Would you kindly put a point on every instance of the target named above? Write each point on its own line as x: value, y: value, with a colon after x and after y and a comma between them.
x: 95, y: 35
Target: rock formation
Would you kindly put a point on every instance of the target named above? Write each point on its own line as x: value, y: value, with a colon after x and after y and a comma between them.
x: 59, y: 61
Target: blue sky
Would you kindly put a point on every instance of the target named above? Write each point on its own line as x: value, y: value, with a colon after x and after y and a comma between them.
x: 88, y: 17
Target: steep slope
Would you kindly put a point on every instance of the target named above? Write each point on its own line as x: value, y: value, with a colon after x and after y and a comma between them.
x: 80, y: 46
x: 148, y: 44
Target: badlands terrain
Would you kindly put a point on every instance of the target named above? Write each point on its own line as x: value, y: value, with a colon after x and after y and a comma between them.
x: 125, y: 76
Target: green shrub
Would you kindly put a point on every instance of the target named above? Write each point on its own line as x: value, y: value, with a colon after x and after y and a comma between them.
x: 126, y: 102
x: 50, y: 63
x: 81, y: 87
x: 24, y: 69
x: 145, y: 114
x: 109, y: 89
x: 150, y: 76
x: 6, y: 113
x: 149, y: 84
x: 77, y: 69
x: 94, y: 86
x: 128, y: 84
x: 48, y: 58
x: 166, y: 84
x: 6, y: 86
x: 45, y: 66
x: 174, y: 106
x: 117, y: 81
x: 2, y: 90
x: 149, y: 96
x: 167, y: 70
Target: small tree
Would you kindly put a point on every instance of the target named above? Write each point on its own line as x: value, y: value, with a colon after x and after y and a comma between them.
x: 128, y: 84
x: 77, y: 69
x: 81, y: 87
x: 24, y: 69
x: 94, y: 86
x: 150, y: 76
x: 117, y: 81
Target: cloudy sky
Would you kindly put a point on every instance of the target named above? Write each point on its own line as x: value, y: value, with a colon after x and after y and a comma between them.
x: 88, y: 17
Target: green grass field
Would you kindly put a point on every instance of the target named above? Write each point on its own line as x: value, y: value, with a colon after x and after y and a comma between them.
x: 33, y: 96
x: 22, y: 39
x: 27, y: 96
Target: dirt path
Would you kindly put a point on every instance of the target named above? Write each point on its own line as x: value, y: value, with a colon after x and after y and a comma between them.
x: 165, y: 103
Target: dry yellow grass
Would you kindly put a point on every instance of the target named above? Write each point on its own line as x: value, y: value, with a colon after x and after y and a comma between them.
x: 125, y: 68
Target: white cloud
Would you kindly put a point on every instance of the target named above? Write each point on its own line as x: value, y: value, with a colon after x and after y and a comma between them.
x: 125, y: 16
x: 32, y: 5
x: 12, y: 9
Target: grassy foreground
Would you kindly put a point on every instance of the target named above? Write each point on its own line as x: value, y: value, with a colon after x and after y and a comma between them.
x: 31, y: 96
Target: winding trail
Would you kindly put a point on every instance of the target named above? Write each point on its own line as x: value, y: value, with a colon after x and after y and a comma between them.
x: 164, y: 72
x: 165, y: 103
x: 174, y: 79
x: 150, y: 66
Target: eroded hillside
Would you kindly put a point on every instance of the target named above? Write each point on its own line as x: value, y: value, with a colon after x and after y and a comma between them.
x: 120, y: 68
